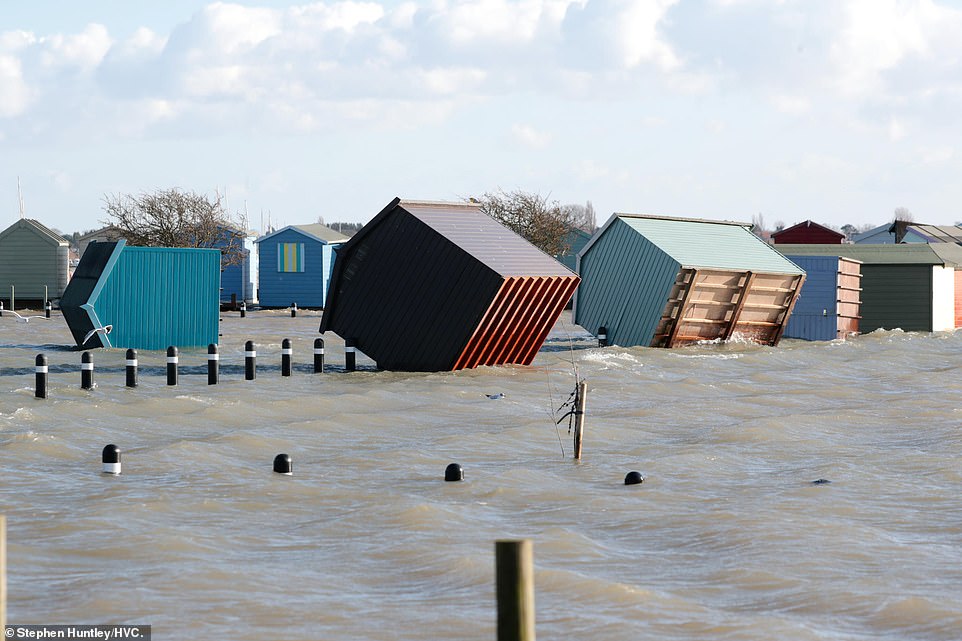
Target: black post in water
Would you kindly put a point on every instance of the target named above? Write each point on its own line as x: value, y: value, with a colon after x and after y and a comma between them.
x: 350, y: 357
x: 172, y: 361
x: 46, y: 308
x: 243, y: 309
x: 111, y: 459
x: 287, y: 355
x: 318, y: 355
x: 86, y: 371
x: 41, y: 370
x: 602, y: 336
x: 293, y: 310
x: 1, y: 308
x: 250, y: 361
x: 282, y: 464
x: 213, y: 364
x: 131, y: 368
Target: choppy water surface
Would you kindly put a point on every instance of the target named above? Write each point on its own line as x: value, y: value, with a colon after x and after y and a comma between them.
x: 727, y: 538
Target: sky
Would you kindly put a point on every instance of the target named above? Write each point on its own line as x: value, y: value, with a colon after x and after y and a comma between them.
x: 838, y: 111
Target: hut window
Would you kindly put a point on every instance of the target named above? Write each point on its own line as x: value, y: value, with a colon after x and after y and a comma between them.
x: 290, y: 257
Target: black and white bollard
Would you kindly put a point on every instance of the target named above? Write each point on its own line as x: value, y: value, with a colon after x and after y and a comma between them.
x: 172, y: 361
x: 454, y: 472
x: 41, y: 370
x: 131, y: 368
x: 86, y: 371
x: 350, y: 355
x: 46, y: 308
x: 287, y: 355
x: 318, y: 355
x: 111, y: 459
x: 602, y: 336
x: 213, y: 364
x: 243, y: 309
x: 1, y: 308
x: 293, y: 310
x: 634, y: 478
x: 250, y: 361
x: 282, y: 464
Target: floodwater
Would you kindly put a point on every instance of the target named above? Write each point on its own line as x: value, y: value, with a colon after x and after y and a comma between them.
x: 727, y: 538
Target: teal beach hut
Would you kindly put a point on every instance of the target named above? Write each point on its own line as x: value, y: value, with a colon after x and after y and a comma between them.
x: 151, y: 297
x: 666, y: 282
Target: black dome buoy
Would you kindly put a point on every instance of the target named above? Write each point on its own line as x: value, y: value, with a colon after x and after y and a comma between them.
x: 634, y: 478
x: 111, y: 459
x: 821, y: 482
x: 282, y: 464
x: 454, y: 472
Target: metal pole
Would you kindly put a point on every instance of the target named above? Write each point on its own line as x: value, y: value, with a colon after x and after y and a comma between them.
x: 172, y: 361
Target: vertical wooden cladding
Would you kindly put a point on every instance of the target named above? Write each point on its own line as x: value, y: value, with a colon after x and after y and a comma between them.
x: 715, y: 304
x: 850, y: 297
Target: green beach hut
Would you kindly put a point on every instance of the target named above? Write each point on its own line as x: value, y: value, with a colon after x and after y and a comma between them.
x: 34, y: 263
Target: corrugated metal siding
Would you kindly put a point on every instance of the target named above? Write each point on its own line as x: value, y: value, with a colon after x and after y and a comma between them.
x: 896, y: 296
x: 711, y: 245
x: 280, y: 289
x: 159, y: 296
x: 487, y: 240
x: 30, y: 260
x: 625, y: 285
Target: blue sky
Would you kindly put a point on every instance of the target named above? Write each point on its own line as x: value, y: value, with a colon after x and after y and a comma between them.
x: 835, y: 110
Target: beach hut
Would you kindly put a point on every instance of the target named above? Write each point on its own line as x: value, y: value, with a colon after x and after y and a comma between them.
x: 808, y: 232
x: 664, y: 282
x: 828, y: 305
x: 429, y: 286
x: 238, y: 278
x: 575, y: 241
x: 152, y: 297
x: 295, y: 264
x: 108, y: 234
x: 913, y: 287
x: 34, y: 263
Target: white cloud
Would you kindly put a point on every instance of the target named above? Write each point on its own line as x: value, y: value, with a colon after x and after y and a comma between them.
x: 84, y: 50
x: 791, y: 105
x: 530, y: 137
x: 14, y: 94
x: 896, y: 130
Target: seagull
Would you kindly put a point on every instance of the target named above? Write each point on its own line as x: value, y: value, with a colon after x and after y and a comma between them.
x: 96, y: 330
x: 25, y: 319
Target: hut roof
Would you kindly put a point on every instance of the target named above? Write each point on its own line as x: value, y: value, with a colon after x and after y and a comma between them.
x: 906, y: 254
x: 706, y: 244
x: 41, y: 230
x: 317, y: 231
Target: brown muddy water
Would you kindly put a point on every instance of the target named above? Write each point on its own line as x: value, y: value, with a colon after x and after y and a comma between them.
x: 727, y: 538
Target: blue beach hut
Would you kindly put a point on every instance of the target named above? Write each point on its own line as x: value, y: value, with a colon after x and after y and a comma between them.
x: 295, y: 265
x: 828, y: 306
x: 152, y: 297
x: 238, y: 280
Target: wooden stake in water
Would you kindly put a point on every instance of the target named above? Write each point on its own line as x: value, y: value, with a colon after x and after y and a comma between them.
x: 580, y: 401
x: 514, y: 563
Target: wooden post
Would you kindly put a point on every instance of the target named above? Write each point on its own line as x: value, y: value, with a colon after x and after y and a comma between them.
x: 3, y: 572
x: 580, y: 400
x: 514, y: 563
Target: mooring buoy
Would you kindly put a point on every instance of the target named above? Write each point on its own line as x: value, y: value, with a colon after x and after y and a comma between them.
x: 454, y: 472
x: 282, y: 464
x: 634, y: 478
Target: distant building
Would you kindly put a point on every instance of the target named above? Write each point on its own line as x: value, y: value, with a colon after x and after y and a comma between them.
x: 152, y: 297
x: 808, y: 232
x: 107, y: 234
x: 429, y: 286
x: 238, y: 280
x: 34, y: 263
x: 295, y: 264
x: 665, y: 282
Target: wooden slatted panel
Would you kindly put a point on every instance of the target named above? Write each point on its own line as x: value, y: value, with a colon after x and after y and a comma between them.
x: 850, y: 296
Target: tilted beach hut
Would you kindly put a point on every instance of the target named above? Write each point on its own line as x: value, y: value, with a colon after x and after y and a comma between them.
x: 913, y: 287
x: 431, y: 286
x: 152, y: 297
x: 295, y: 264
x: 828, y: 305
x: 664, y: 282
x: 34, y: 263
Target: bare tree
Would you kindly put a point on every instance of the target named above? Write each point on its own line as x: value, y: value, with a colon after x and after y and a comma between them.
x: 174, y: 218
x: 582, y: 217
x: 544, y: 224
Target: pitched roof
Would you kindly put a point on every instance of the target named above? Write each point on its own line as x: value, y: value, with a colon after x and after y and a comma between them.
x: 938, y: 233
x: 37, y: 227
x: 710, y: 244
x: 806, y: 224
x: 904, y: 254
x: 316, y: 231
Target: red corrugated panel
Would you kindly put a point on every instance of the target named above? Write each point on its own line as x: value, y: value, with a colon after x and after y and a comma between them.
x: 517, y: 322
